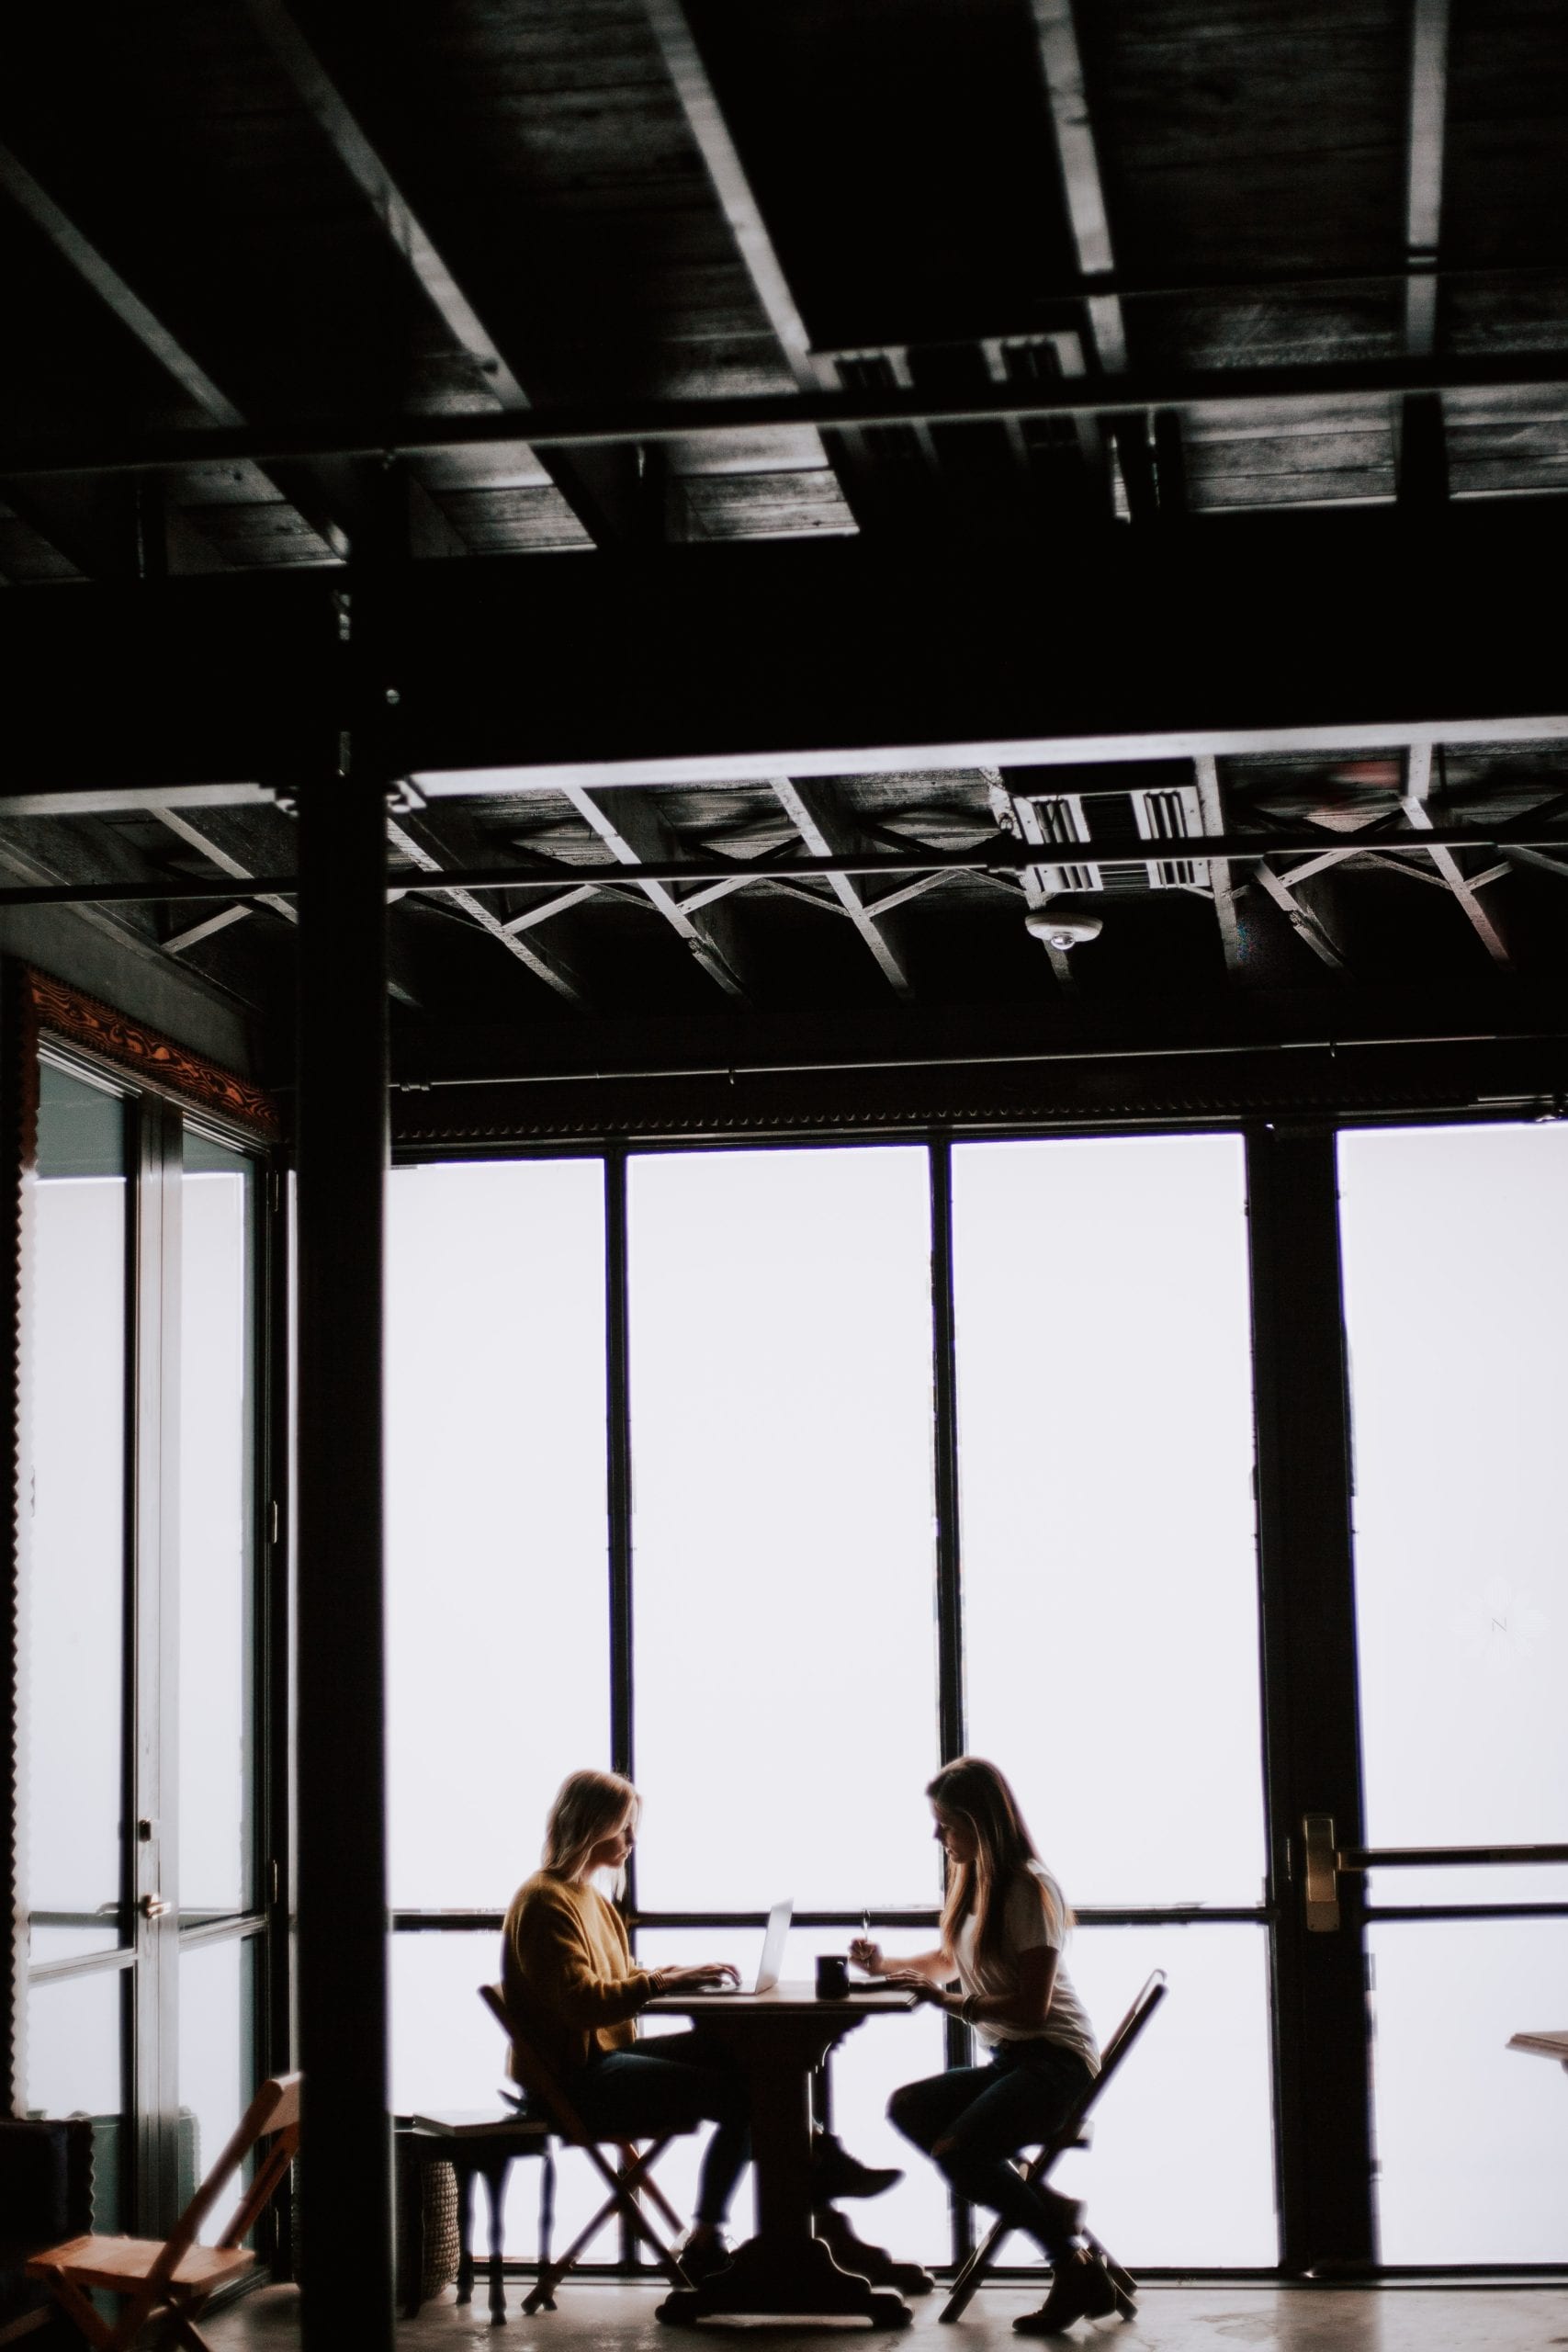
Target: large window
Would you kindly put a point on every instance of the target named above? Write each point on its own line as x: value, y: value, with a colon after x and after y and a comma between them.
x: 142, y: 1608
x: 1110, y: 1619
x: 753, y: 1629
x: 1456, y: 1293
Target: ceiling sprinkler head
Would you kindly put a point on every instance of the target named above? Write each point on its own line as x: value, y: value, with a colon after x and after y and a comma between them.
x: 1064, y: 922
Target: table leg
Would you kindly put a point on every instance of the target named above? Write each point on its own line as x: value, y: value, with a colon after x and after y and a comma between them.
x: 786, y: 2270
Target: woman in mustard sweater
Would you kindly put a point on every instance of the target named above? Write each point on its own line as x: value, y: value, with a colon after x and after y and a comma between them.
x: 569, y: 1979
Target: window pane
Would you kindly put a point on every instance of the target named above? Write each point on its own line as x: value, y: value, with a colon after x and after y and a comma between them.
x: 1181, y: 2171
x: 75, y: 1343
x: 216, y: 1529
x: 75, y: 2038
x: 1110, y: 1576
x: 218, y: 2058
x: 1460, y: 1392
x: 1473, y: 2155
x: 781, y: 1449
x: 497, y: 1587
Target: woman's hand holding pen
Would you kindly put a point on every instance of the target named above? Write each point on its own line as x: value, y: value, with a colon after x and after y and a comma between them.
x: 867, y: 1956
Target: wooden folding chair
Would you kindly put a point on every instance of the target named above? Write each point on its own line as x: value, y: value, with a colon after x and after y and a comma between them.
x: 627, y: 2182
x: 171, y: 2281
x: 1072, y: 2132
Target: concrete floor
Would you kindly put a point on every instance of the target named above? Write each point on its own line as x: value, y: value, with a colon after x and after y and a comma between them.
x: 1173, y: 2319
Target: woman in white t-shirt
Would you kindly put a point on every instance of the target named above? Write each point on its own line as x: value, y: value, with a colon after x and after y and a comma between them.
x: 1004, y: 1927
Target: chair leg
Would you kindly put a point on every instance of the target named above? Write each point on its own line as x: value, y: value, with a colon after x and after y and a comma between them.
x: 973, y: 2272
x: 649, y: 2188
x: 547, y: 2213
x: 83, y: 2314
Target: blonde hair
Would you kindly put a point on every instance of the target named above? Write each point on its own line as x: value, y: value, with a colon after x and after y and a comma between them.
x: 977, y: 1794
x: 587, y: 1807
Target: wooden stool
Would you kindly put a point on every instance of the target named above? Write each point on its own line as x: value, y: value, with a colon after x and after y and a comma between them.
x: 481, y: 2145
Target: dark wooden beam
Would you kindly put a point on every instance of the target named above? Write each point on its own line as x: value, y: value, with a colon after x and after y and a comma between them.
x: 818, y: 658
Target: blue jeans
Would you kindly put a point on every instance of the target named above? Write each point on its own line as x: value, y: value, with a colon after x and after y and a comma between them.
x: 988, y: 2113
x: 673, y: 2084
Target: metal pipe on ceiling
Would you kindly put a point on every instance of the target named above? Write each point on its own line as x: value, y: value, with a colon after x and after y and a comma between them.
x: 1001, y: 856
x: 617, y: 424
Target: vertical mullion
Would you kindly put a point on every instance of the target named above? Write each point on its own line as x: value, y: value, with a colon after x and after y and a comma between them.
x: 618, y: 1499
x: 951, y: 1727
x: 270, y: 1358
x: 152, y: 1854
x: 618, y: 1465
x: 1310, y: 1698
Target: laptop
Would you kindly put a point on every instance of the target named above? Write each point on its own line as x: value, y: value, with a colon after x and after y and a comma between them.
x: 768, y: 1967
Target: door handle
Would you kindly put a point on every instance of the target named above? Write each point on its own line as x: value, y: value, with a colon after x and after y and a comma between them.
x: 151, y: 1906
x: 1326, y: 1862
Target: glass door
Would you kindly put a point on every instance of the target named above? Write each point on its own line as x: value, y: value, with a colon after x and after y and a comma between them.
x: 141, y: 1611
x: 1455, y: 1243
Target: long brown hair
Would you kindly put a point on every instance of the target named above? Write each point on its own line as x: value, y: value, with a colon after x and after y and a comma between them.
x: 588, y: 1806
x: 976, y: 1793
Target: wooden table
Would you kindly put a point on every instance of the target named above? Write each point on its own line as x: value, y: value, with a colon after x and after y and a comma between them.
x: 779, y: 2039
x: 483, y: 2146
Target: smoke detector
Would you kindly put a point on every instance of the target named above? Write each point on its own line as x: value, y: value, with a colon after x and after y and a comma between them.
x: 1064, y: 922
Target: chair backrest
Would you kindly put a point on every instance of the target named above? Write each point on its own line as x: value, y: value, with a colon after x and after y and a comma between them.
x: 1145, y: 2002
x: 534, y: 2073
x: 273, y: 2114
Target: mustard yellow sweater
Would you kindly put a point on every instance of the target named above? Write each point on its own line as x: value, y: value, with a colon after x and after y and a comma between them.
x: 567, y: 1973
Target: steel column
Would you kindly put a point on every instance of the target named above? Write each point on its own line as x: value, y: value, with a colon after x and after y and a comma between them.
x: 1321, y: 2059
x: 346, y: 2255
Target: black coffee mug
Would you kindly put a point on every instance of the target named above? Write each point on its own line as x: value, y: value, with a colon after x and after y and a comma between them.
x: 832, y: 1976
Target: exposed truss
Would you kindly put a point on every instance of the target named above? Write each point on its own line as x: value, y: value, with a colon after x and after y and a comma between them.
x: 548, y: 968
x: 810, y: 807
x: 638, y: 832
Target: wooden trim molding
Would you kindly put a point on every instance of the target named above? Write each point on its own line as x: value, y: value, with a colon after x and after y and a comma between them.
x: 49, y: 1007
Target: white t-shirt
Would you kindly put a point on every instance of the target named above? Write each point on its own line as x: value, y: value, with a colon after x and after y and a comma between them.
x: 1035, y: 1916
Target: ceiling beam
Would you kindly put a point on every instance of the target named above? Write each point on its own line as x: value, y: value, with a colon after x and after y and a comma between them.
x: 810, y: 810
x: 590, y: 495
x: 636, y: 835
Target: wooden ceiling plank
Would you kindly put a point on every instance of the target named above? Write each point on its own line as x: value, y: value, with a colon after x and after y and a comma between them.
x: 188, y: 832
x: 810, y: 810
x: 638, y: 832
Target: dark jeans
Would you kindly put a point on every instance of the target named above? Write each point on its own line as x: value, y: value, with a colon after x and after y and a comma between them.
x: 990, y: 2113
x: 673, y: 2084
